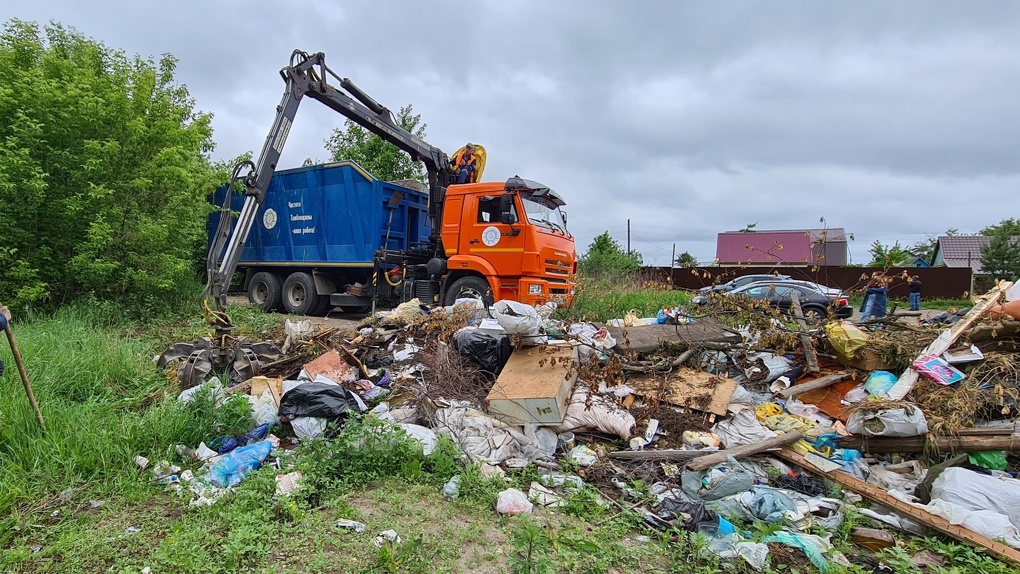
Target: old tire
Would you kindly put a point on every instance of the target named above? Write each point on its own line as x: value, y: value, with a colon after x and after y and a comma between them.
x: 265, y: 291
x: 472, y: 286
x: 299, y: 295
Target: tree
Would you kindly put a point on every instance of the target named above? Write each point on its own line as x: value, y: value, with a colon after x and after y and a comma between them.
x: 1007, y: 227
x: 926, y: 249
x: 749, y: 228
x: 686, y: 259
x: 382, y: 159
x: 1001, y: 257
x: 888, y: 255
x: 103, y: 172
x: 605, y: 255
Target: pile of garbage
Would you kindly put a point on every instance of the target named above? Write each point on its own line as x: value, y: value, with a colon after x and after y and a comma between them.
x: 729, y: 420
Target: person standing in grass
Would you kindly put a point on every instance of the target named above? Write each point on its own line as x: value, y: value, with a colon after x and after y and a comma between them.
x: 876, y: 299
x: 915, y: 293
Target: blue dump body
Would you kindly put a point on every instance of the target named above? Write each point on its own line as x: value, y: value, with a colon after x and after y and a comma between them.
x: 332, y: 215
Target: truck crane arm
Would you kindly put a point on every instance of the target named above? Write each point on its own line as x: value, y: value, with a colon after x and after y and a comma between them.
x: 306, y: 75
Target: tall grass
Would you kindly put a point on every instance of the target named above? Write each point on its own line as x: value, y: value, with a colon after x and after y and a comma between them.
x: 605, y: 296
x: 103, y: 400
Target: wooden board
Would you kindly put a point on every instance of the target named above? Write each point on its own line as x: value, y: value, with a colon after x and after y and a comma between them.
x: 919, y: 515
x: 534, y: 386
x: 648, y: 338
x: 687, y: 388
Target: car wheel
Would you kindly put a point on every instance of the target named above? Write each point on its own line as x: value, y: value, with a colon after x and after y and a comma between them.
x: 264, y: 291
x: 299, y: 295
x: 472, y: 286
x: 814, y: 315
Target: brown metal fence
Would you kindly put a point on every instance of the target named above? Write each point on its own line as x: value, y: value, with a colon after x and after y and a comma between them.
x: 937, y: 282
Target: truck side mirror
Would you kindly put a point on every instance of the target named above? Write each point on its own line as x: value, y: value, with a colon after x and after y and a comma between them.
x: 506, y: 209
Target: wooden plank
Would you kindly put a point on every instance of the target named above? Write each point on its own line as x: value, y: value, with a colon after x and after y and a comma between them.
x: 877, y: 445
x: 664, y: 454
x: 946, y: 339
x: 810, y: 355
x: 688, y: 388
x: 648, y: 338
x: 919, y: 515
x: 819, y: 383
x: 719, y: 457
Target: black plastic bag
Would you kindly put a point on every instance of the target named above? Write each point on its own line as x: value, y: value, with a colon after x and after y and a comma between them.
x: 690, y: 513
x: 490, y: 352
x: 801, y: 483
x: 320, y: 400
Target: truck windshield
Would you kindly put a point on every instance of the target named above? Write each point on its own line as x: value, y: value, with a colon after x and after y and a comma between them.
x: 543, y: 212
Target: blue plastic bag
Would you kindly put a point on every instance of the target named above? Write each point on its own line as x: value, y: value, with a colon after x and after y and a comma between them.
x: 232, y: 469
x: 879, y: 383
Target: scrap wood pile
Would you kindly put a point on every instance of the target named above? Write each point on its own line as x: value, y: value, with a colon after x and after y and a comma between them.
x: 730, y: 415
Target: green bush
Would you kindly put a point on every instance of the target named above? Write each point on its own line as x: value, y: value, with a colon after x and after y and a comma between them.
x: 103, y: 172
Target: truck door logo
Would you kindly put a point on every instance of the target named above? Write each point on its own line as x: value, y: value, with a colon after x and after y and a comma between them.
x: 269, y: 218
x: 490, y: 236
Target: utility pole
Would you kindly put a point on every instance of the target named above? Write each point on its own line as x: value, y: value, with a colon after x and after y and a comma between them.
x: 628, y: 237
x: 672, y: 260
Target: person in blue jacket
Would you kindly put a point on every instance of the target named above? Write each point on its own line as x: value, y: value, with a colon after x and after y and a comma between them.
x: 876, y: 300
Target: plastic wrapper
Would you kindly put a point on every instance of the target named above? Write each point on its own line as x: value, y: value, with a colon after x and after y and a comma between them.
x: 845, y: 338
x: 512, y: 501
x: 231, y: 469
x: 489, y: 352
x: 814, y: 547
x: 769, y: 504
x: 717, y: 482
x: 689, y: 513
x: 470, y: 309
x: 698, y: 440
x: 296, y: 331
x: 320, y: 400
x: 905, y: 422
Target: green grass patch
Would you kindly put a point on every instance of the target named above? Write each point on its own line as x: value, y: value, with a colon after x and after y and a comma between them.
x: 104, y: 402
x: 605, y: 297
x: 926, y: 304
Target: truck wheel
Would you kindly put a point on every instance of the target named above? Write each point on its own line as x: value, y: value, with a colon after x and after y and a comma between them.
x: 264, y: 291
x: 472, y: 286
x: 299, y: 295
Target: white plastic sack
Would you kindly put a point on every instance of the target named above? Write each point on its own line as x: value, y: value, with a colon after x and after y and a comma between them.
x: 512, y: 501
x: 903, y: 422
x: 426, y: 436
x: 975, y: 491
x: 296, y: 331
x: 308, y: 427
x: 992, y: 524
x: 603, y: 414
x: 488, y: 439
x: 519, y: 319
x: 263, y: 408
x: 188, y: 395
x: 775, y: 365
x: 742, y: 428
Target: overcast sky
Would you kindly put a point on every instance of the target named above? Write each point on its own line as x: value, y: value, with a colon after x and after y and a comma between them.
x: 894, y: 120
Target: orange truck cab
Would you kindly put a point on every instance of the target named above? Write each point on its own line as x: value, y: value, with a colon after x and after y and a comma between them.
x: 507, y: 241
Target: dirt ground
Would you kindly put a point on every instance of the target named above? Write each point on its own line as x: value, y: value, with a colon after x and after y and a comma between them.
x: 333, y: 318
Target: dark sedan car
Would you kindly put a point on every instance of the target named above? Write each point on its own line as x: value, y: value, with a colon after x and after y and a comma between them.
x: 740, y: 282
x: 814, y: 304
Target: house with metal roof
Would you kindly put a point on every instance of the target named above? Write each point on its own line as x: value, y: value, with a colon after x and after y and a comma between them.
x: 961, y: 251
x: 783, y: 247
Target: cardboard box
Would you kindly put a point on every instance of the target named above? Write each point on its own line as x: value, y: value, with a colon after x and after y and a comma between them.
x: 534, y: 386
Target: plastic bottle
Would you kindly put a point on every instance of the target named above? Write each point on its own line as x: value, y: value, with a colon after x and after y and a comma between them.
x: 452, y: 488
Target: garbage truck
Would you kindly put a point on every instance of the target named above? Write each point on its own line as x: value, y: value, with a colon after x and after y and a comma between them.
x: 490, y: 240
x: 334, y: 236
